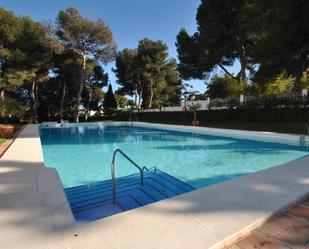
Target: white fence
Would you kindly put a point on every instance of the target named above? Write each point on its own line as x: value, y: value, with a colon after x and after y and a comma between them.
x: 282, y: 100
x: 184, y: 104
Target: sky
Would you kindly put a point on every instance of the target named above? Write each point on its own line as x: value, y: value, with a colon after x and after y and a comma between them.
x: 129, y: 20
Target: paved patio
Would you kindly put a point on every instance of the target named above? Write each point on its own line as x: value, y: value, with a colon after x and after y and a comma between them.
x: 287, y: 229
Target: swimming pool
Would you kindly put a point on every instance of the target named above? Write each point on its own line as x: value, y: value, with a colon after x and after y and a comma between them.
x: 82, y: 154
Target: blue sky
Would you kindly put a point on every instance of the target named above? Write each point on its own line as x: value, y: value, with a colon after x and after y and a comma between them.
x: 129, y: 20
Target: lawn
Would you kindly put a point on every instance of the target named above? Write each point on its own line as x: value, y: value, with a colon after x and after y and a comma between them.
x: 2, y: 140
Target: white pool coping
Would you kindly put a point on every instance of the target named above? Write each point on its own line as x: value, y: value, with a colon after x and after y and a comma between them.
x: 34, y: 212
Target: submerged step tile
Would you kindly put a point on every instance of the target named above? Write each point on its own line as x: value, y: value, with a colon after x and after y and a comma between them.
x: 182, y: 185
x: 141, y: 197
x: 166, y: 188
x: 95, y: 200
x: 127, y: 202
x: 98, y: 212
x: 153, y: 192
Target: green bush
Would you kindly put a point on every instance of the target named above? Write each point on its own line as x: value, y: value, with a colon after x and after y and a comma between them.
x: 224, y: 115
x: 10, y: 108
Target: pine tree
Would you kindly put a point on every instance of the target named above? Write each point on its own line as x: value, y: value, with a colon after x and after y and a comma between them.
x: 90, y: 39
x: 109, y: 102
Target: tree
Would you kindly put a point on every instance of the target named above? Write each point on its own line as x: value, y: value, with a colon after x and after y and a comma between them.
x: 194, y: 108
x: 11, y: 75
x: 226, y: 32
x: 67, y: 72
x: 89, y: 39
x: 109, y: 102
x: 284, y: 46
x: 37, y: 51
x: 121, y: 100
x: 170, y: 93
x: 24, y: 55
x: 152, y: 55
x: 96, y: 80
x: 148, y: 74
x: 129, y: 74
x: 222, y: 87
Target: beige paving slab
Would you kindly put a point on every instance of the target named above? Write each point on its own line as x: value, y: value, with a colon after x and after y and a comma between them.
x: 33, y: 206
x: 229, y: 207
x: 149, y: 227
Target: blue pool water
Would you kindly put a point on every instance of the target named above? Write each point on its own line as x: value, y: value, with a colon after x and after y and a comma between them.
x: 82, y: 154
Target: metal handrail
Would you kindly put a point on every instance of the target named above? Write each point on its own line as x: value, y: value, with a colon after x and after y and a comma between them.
x: 141, y: 170
x: 302, y: 138
x: 306, y: 129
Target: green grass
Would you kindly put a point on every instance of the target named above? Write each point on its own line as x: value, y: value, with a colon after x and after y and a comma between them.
x: 2, y: 140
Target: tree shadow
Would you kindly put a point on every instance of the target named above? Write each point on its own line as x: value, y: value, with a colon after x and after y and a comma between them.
x: 24, y: 204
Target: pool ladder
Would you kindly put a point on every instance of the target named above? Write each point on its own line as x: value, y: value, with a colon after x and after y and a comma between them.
x: 141, y: 171
x: 302, y: 139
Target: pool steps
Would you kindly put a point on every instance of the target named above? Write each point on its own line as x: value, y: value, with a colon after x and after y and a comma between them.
x: 94, y: 201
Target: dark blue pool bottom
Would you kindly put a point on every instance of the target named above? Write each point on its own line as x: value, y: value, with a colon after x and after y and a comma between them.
x: 94, y: 201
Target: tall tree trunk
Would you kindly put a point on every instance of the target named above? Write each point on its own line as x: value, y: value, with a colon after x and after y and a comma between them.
x: 242, y: 60
x: 151, y: 93
x: 62, y: 99
x: 88, y: 105
x: 135, y: 97
x: 139, y: 100
x: 139, y: 93
x: 301, y: 66
x: 2, y: 94
x: 35, y: 104
x: 297, y: 86
x: 80, y: 90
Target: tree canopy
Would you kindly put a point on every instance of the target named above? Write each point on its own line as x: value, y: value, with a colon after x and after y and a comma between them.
x: 267, y: 38
x: 89, y: 39
x: 54, y: 69
x: 109, y: 102
x: 147, y: 73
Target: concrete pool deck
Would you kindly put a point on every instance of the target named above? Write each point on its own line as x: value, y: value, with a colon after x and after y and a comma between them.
x: 34, y: 212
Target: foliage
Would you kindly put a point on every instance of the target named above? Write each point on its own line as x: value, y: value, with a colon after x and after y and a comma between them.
x: 25, y: 53
x: 148, y: 74
x: 121, y: 100
x: 86, y: 37
x: 96, y: 80
x: 281, y: 84
x: 90, y: 39
x: 267, y: 38
x: 222, y: 87
x: 284, y: 46
x: 226, y: 32
x: 194, y: 108
x: 128, y: 74
x: 52, y: 70
x: 109, y: 103
x: 268, y: 114
x: 10, y: 108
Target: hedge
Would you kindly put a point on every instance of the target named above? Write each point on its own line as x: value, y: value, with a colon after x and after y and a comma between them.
x: 225, y: 115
